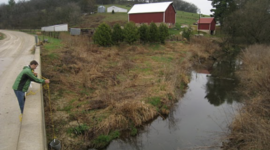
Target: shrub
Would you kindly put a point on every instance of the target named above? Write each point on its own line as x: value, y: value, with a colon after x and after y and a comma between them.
x: 144, y: 33
x: 187, y: 33
x: 103, y: 35
x: 163, y: 33
x: 117, y: 34
x: 177, y: 26
x: 153, y: 33
x: 131, y: 33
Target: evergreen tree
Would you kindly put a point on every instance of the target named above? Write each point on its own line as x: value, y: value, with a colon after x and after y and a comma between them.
x: 131, y: 33
x: 222, y: 9
x: 153, y: 32
x: 117, y: 34
x: 163, y: 32
x: 144, y: 33
x: 11, y: 3
x: 103, y: 35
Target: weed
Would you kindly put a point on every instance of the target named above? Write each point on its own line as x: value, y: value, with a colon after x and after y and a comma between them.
x: 155, y: 101
x: 78, y: 130
x: 2, y: 36
x: 170, y: 96
x: 33, y: 49
x: 249, y: 129
x: 104, y: 140
x: 108, y: 89
x: 134, y: 131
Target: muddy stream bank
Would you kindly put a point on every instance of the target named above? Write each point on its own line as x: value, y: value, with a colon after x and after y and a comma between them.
x: 199, y: 120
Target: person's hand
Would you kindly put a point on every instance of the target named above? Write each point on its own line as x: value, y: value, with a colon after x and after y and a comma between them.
x: 35, y: 74
x: 47, y: 81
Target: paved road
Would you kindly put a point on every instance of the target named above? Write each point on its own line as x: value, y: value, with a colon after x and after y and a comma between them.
x: 14, y: 54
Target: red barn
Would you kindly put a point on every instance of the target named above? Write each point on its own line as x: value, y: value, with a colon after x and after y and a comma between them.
x: 207, y: 24
x: 162, y: 12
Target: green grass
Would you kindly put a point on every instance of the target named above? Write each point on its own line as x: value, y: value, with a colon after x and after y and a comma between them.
x: 173, y: 31
x: 53, y: 56
x: 104, y: 140
x: 155, y: 46
x: 80, y: 129
x: 115, y: 17
x: 155, y: 101
x: 162, y: 59
x: 128, y: 7
x: 134, y: 131
x: 68, y: 107
x: 145, y: 69
x: 52, y: 43
x: 186, y: 17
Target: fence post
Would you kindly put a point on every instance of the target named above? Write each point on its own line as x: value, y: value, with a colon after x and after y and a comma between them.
x: 36, y: 39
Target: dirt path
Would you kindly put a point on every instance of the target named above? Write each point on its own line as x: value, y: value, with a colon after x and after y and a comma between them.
x: 14, y: 54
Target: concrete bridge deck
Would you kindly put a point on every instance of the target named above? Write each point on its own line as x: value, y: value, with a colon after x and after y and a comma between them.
x: 30, y: 133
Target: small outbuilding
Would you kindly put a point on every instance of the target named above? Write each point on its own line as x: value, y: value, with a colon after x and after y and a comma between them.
x: 163, y: 12
x: 207, y: 25
x: 115, y: 9
x: 101, y: 9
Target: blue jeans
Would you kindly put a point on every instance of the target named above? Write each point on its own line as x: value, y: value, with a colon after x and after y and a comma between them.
x: 20, y: 97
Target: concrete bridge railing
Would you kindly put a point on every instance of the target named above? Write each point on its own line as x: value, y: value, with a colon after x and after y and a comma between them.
x: 33, y: 134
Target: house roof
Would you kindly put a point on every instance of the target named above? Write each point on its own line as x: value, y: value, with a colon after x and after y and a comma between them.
x: 149, y: 7
x: 206, y: 20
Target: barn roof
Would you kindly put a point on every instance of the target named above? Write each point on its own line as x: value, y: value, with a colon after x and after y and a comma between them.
x: 206, y: 20
x: 149, y: 7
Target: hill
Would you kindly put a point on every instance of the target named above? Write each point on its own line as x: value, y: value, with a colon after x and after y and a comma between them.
x: 92, y: 21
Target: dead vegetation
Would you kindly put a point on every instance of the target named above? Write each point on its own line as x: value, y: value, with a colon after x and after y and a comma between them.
x: 250, y: 129
x: 99, y: 91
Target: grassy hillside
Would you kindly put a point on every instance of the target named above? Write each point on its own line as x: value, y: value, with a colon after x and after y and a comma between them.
x: 92, y: 21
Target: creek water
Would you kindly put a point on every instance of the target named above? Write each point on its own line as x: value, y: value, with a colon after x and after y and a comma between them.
x: 199, y: 120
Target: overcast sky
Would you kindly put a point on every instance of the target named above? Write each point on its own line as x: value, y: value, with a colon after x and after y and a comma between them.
x: 204, y: 5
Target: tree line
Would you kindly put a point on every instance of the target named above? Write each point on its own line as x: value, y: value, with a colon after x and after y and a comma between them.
x: 37, y: 13
x: 244, y: 21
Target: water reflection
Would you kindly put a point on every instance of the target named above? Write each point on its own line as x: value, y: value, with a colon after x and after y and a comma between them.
x: 197, y: 120
x: 222, y: 83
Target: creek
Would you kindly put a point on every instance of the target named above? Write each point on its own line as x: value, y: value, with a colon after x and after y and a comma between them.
x: 199, y: 120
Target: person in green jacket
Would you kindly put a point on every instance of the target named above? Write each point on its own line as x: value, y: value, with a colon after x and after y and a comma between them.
x: 23, y: 81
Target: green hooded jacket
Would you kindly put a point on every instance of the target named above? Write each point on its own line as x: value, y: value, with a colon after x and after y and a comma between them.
x: 24, y: 79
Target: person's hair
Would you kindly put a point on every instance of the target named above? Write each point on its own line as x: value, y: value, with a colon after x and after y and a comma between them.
x: 33, y: 62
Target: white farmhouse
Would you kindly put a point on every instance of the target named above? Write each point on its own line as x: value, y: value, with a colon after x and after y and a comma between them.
x: 116, y: 9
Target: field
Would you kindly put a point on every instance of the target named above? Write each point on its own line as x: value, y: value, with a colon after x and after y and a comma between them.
x: 99, y: 92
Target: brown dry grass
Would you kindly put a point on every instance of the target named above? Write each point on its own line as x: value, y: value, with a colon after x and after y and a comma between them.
x: 250, y: 129
x: 113, y: 88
